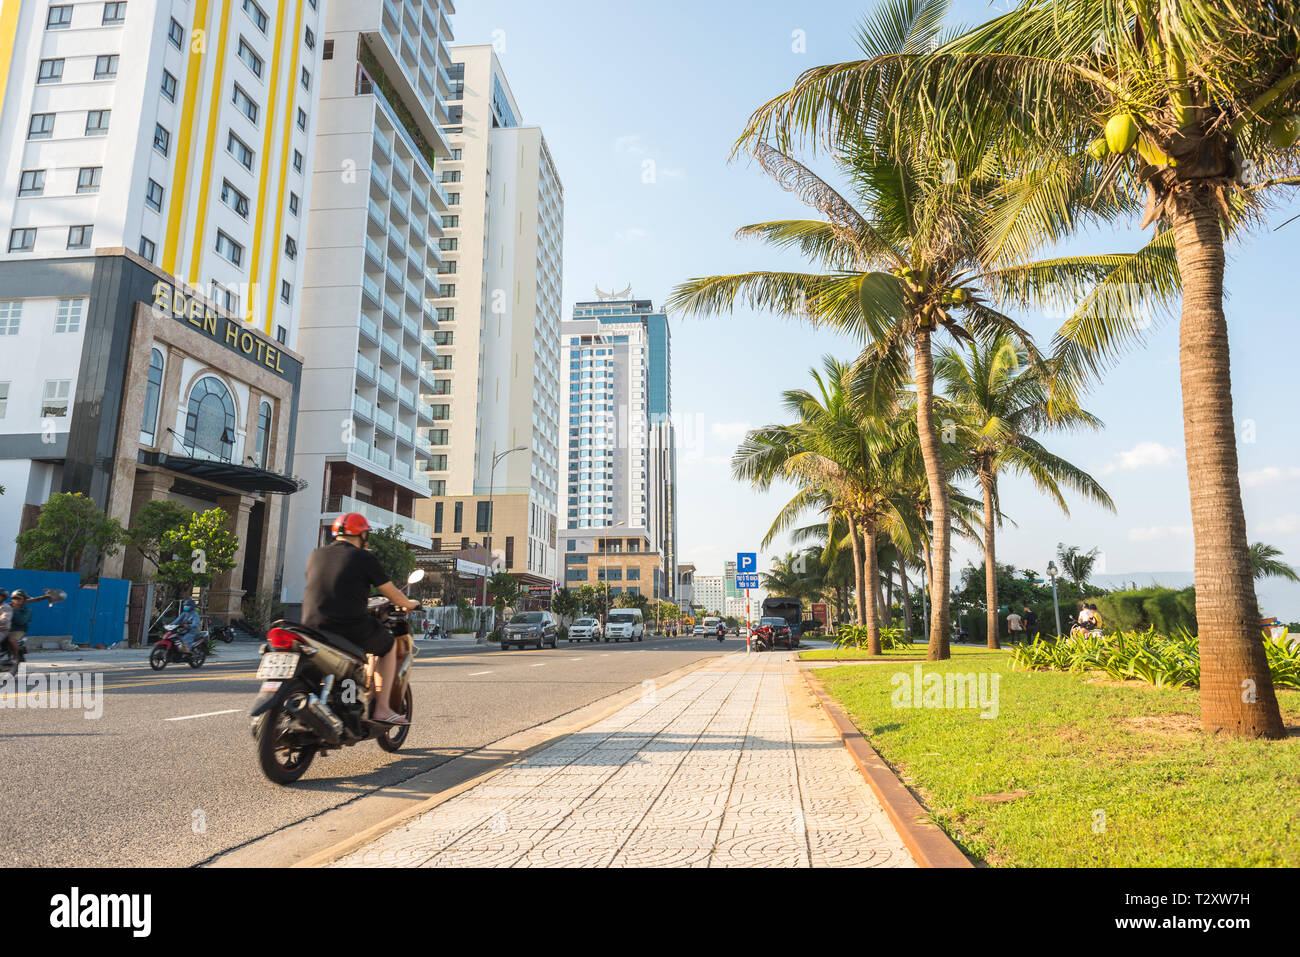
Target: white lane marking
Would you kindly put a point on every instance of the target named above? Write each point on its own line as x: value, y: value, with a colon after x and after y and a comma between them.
x: 206, y: 714
x: 538, y: 665
x: 575, y: 659
x: 475, y: 674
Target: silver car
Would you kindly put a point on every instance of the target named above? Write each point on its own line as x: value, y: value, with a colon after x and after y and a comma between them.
x: 585, y: 629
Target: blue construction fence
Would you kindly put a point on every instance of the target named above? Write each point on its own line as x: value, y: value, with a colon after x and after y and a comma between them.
x: 91, y: 615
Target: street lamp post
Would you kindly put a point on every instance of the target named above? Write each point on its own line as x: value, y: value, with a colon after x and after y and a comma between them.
x: 1056, y: 606
x: 604, y: 566
x: 492, y: 477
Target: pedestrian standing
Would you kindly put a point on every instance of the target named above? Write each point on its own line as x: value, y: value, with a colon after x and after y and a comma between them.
x: 1015, y: 625
x: 1031, y: 622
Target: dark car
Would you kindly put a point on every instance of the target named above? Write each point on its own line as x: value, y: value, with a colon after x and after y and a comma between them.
x: 776, y: 632
x: 536, y: 628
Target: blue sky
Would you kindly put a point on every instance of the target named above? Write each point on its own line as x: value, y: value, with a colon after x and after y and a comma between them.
x: 641, y: 103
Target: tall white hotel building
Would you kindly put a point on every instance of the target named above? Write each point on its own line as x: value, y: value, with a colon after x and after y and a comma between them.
x: 375, y: 385
x: 495, y: 462
x: 157, y: 175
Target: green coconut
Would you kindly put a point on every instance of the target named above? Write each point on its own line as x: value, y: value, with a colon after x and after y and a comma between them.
x: 960, y: 296
x: 1121, y: 132
x: 1284, y: 132
x: 1098, y: 148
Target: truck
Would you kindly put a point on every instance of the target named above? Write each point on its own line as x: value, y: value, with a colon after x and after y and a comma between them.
x: 789, y: 609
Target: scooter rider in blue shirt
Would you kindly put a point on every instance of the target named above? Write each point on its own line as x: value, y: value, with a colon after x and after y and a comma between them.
x: 186, y: 624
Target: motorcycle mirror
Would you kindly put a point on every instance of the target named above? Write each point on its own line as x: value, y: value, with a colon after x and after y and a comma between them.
x: 415, y: 576
x: 55, y: 595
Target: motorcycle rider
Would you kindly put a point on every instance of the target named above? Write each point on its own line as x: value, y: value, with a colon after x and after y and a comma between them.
x: 339, y: 578
x: 186, y: 623
x: 6, y: 622
x: 22, y: 617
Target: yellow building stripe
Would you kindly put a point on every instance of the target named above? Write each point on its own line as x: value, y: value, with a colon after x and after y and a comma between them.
x: 205, y: 157
x: 8, y: 34
x: 263, y: 184
x: 189, y: 119
x: 284, y: 167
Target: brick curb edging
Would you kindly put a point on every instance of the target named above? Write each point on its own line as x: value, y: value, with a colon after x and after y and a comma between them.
x: 929, y: 844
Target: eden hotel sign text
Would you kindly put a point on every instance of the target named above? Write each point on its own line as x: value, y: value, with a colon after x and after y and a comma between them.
x: 233, y: 334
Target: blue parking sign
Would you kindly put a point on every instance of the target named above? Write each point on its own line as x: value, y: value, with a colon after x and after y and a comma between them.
x: 746, y: 563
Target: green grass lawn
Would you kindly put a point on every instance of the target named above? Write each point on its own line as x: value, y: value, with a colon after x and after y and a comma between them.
x: 915, y: 651
x: 1171, y: 797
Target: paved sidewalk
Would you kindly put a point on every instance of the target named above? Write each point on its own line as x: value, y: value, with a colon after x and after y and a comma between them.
x: 733, y: 765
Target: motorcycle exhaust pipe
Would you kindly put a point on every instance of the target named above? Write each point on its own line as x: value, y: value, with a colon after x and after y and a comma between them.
x: 302, y: 710
x: 322, y: 712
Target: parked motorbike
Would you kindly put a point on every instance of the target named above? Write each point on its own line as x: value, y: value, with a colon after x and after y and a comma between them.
x: 167, y: 650
x: 222, y: 633
x: 8, y: 663
x: 318, y: 693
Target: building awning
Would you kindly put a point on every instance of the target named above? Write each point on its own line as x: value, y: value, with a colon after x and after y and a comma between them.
x: 245, y: 478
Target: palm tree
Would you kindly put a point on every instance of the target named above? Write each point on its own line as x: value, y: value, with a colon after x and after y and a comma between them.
x: 1266, y: 562
x: 1002, y: 402
x: 1208, y: 91
x: 1076, y: 563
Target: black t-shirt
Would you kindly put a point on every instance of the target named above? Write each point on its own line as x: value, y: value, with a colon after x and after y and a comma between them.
x: 339, y: 579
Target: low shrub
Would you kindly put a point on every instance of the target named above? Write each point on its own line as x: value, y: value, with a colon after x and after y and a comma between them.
x: 855, y: 636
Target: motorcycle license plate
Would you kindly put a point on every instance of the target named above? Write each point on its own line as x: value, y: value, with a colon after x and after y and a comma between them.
x: 278, y: 664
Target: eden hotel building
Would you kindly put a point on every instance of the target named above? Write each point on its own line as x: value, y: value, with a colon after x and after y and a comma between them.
x: 153, y: 203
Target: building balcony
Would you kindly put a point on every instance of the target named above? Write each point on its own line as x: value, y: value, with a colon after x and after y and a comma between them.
x: 415, y: 532
x: 363, y: 408
x: 369, y: 329
x: 365, y: 367
x: 387, y: 383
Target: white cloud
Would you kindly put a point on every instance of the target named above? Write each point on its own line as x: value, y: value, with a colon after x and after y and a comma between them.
x: 1144, y: 455
x: 1269, y: 476
x: 1154, y: 533
x: 1282, y: 525
x: 630, y: 143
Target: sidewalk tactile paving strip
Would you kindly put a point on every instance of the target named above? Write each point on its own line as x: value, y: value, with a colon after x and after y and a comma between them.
x: 730, y: 766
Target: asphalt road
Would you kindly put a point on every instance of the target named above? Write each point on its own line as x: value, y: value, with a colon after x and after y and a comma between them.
x: 167, y: 775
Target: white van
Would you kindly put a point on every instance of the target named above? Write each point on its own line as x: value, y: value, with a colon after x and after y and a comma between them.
x: 711, y: 626
x: 624, y: 624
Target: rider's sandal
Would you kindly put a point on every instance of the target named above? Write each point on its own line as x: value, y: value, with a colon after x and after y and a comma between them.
x: 396, y: 720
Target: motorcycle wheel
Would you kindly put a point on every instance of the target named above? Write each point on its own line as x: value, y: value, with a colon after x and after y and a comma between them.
x: 393, y: 739
x: 280, y: 764
x: 158, y: 659
x: 226, y: 635
x: 197, y: 658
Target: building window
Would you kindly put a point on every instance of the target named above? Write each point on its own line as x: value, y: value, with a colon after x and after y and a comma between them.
x: 162, y: 139
x: 437, y: 517
x: 302, y: 119
x: 447, y: 290
x: 153, y: 196
x: 176, y: 34
x: 297, y: 161
x: 451, y: 222
x: 438, y: 436
x: 510, y: 551
x: 309, y: 38
x: 305, y: 79
x: 286, y: 292
x: 79, y: 237
x: 444, y: 337
x: 59, y: 18
x: 251, y: 59
x: 633, y: 574
x: 54, y: 404
x: 230, y: 249
x: 106, y: 67
x: 4, y: 398
x: 245, y: 104
x: 449, y: 244
x: 327, y: 51
x: 116, y: 13
x: 264, y: 434
x: 148, y: 249
x: 234, y: 199
x: 451, y: 176
x: 441, y: 413
x: 97, y: 122
x: 41, y: 126
x: 483, y: 512
x: 32, y: 182
x: 293, y: 203
x: 169, y: 86
x: 447, y: 268
x: 255, y: 14
x: 11, y: 316
x: 290, y: 247
x: 457, y: 154
x: 438, y: 463
x: 239, y: 150
x: 67, y: 317
x: 459, y: 515
x: 281, y: 335
x: 447, y: 314
x: 50, y: 71
x: 152, y: 395
x: 453, y: 199
x: 210, y: 421
x: 88, y: 179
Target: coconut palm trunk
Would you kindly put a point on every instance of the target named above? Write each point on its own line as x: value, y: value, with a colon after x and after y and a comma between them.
x: 907, y: 599
x: 859, y: 592
x: 1236, y: 690
x: 990, y: 558
x: 872, y: 591
x: 938, y: 482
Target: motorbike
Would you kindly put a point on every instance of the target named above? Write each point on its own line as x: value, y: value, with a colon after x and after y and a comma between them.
x: 8, y: 663
x: 318, y: 693
x: 722, y: 633
x: 167, y: 650
x: 1091, y: 630
x: 222, y: 633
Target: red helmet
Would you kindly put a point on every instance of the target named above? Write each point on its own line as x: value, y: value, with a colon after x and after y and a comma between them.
x: 352, y: 523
